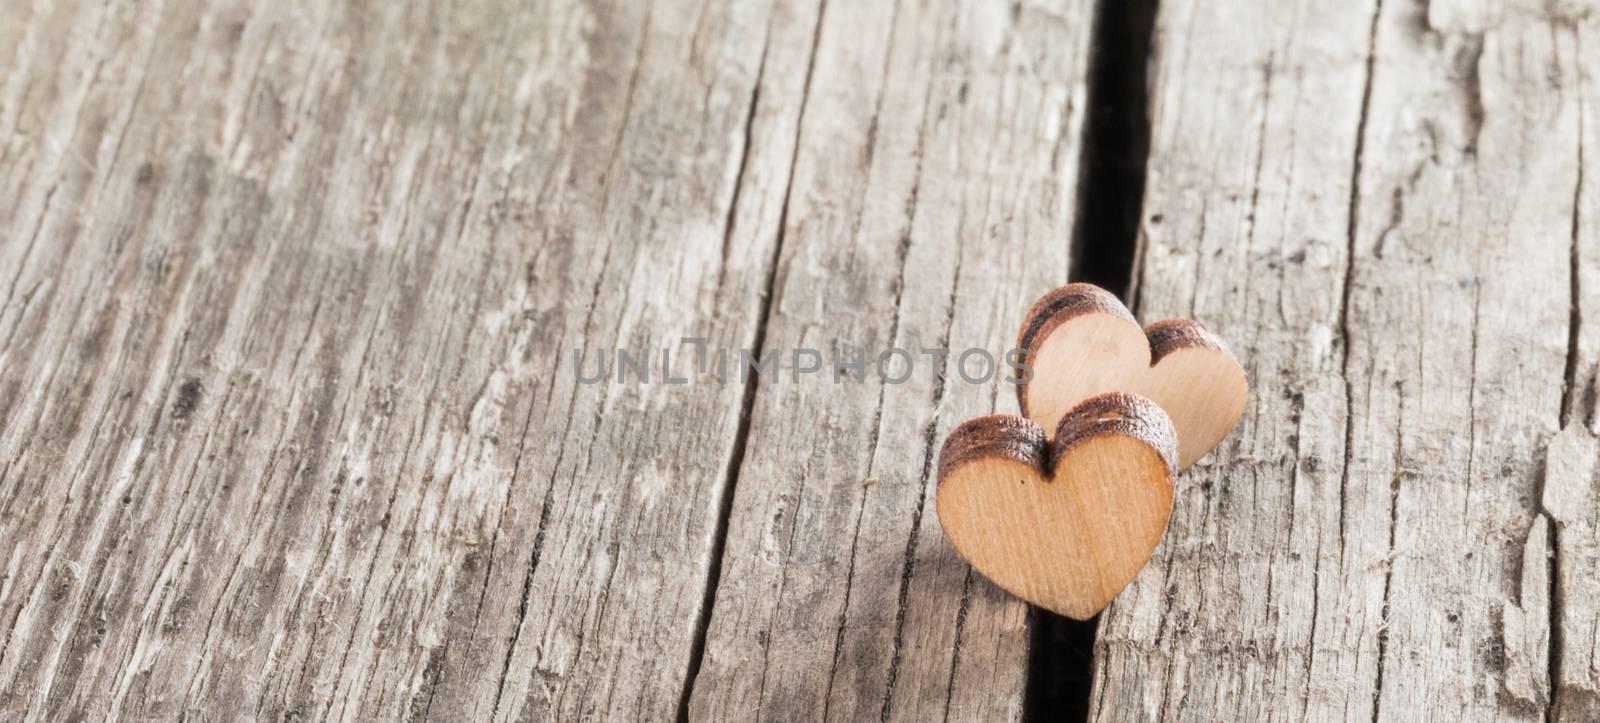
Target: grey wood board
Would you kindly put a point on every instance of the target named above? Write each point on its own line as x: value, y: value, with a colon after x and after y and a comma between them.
x: 295, y: 296
x: 1381, y: 206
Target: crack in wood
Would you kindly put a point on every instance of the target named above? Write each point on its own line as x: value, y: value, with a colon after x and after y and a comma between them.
x: 758, y: 344
x: 1104, y: 251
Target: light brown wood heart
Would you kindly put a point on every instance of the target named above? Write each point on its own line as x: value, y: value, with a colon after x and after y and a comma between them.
x: 1064, y: 523
x: 1081, y: 341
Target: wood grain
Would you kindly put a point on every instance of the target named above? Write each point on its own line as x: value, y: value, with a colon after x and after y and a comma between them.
x: 1063, y: 521
x: 290, y: 295
x: 292, y: 298
x: 1082, y: 341
x: 288, y: 421
x: 1375, y: 204
x: 1571, y: 494
x: 933, y: 199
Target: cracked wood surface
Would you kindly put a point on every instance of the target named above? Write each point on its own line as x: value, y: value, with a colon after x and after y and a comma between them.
x: 1381, y: 206
x: 289, y: 296
x: 933, y: 199
x: 289, y: 424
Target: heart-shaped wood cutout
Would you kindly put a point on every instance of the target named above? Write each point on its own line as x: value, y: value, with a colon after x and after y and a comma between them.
x: 1081, y: 341
x: 1066, y: 523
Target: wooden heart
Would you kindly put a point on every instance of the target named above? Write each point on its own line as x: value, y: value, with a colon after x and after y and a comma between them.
x: 1066, y: 523
x: 1081, y: 341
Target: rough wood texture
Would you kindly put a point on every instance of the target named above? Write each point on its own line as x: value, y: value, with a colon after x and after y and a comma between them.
x: 1378, y: 206
x: 1571, y: 496
x: 933, y: 200
x: 288, y: 420
x: 289, y: 423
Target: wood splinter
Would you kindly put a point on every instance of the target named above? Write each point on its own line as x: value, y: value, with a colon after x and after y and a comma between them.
x: 1063, y: 523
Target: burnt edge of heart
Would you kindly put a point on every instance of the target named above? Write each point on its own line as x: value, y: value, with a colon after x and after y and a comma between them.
x: 1174, y: 334
x: 1117, y: 413
x: 1022, y: 440
x: 1063, y: 304
x: 997, y: 435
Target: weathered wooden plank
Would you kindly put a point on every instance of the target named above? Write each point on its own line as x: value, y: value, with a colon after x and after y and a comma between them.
x: 1571, y: 502
x: 933, y: 200
x: 289, y: 424
x: 1571, y: 495
x: 1375, y: 204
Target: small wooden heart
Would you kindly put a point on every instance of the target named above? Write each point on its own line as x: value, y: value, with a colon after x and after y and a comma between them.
x: 1066, y: 523
x: 1081, y: 341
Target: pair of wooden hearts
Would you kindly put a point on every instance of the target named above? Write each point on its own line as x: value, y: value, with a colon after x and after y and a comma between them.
x: 1066, y: 522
